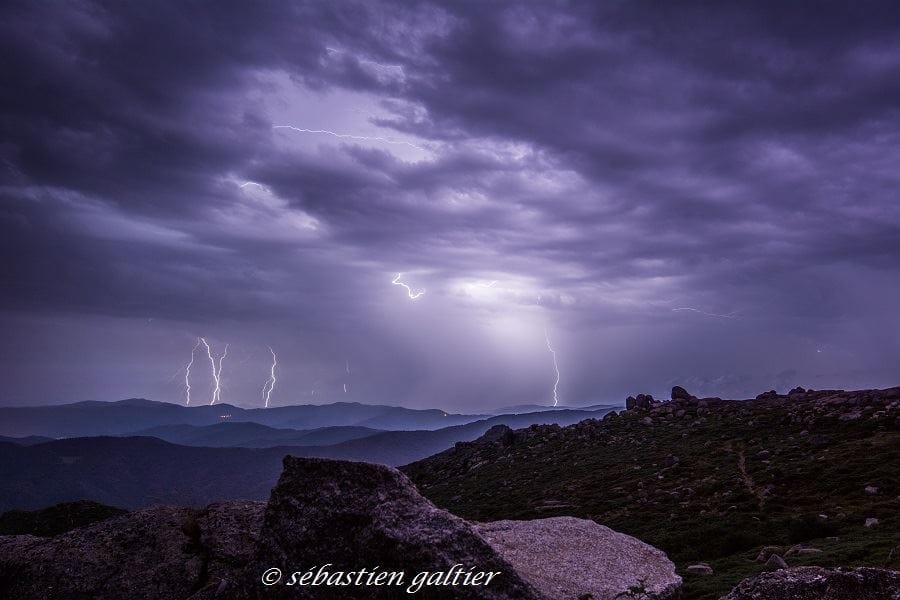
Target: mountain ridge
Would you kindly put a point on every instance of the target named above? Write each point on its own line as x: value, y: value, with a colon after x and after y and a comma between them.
x: 134, y: 472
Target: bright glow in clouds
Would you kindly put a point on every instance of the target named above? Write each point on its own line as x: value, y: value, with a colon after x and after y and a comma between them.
x: 361, y: 138
x: 269, y: 385
x: 217, y: 374
x: 187, y: 375
x: 412, y: 295
x: 555, y: 367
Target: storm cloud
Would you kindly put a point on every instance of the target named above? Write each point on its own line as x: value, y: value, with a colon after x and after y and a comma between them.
x: 695, y: 193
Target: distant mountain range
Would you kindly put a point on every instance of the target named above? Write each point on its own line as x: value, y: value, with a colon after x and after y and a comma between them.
x: 129, y: 416
x: 237, y: 460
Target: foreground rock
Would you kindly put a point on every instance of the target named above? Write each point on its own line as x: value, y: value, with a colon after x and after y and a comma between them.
x: 355, y: 515
x: 336, y: 515
x: 564, y: 557
x: 816, y: 583
x: 163, y: 552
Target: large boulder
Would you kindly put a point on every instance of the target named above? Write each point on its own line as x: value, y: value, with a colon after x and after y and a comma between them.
x: 565, y: 557
x: 359, y: 515
x: 817, y: 583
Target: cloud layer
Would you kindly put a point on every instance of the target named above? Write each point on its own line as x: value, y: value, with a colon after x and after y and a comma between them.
x: 691, y: 193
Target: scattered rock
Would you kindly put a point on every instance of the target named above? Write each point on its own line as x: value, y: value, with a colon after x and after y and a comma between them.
x: 870, y: 490
x: 871, y: 522
x: 797, y: 390
x: 817, y: 583
x: 699, y: 569
x: 766, y: 552
x: 776, y: 562
x: 564, y: 557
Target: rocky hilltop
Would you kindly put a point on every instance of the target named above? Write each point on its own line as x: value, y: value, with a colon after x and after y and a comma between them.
x: 341, y: 517
x: 727, y: 488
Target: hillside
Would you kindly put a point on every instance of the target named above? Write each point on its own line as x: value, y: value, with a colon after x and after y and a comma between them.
x: 253, y: 435
x: 706, y: 480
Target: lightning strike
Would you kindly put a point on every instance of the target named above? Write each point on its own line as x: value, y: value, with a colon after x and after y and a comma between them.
x: 731, y: 315
x: 187, y: 375
x: 270, y: 383
x: 348, y: 372
x: 259, y: 185
x: 555, y: 367
x: 412, y: 295
x: 347, y: 136
x: 216, y: 373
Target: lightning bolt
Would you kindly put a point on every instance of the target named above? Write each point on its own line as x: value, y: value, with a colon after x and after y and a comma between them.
x: 412, y: 295
x: 348, y: 136
x: 187, y: 375
x: 269, y: 385
x: 259, y: 185
x: 348, y: 372
x: 731, y: 315
x: 216, y: 373
x: 555, y: 367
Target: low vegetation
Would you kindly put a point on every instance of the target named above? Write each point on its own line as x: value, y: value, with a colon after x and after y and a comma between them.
x: 812, y: 474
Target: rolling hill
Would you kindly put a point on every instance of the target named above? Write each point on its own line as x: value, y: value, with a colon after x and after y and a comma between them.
x: 125, y: 417
x: 133, y: 472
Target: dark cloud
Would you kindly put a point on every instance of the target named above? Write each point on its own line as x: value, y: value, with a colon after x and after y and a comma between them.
x: 606, y: 164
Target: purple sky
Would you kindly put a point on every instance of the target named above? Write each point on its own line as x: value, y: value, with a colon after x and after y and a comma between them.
x: 695, y: 193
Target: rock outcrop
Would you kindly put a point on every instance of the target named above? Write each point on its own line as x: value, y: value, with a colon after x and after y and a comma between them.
x: 817, y: 583
x: 679, y: 393
x: 565, y: 557
x: 341, y: 517
x: 163, y: 552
